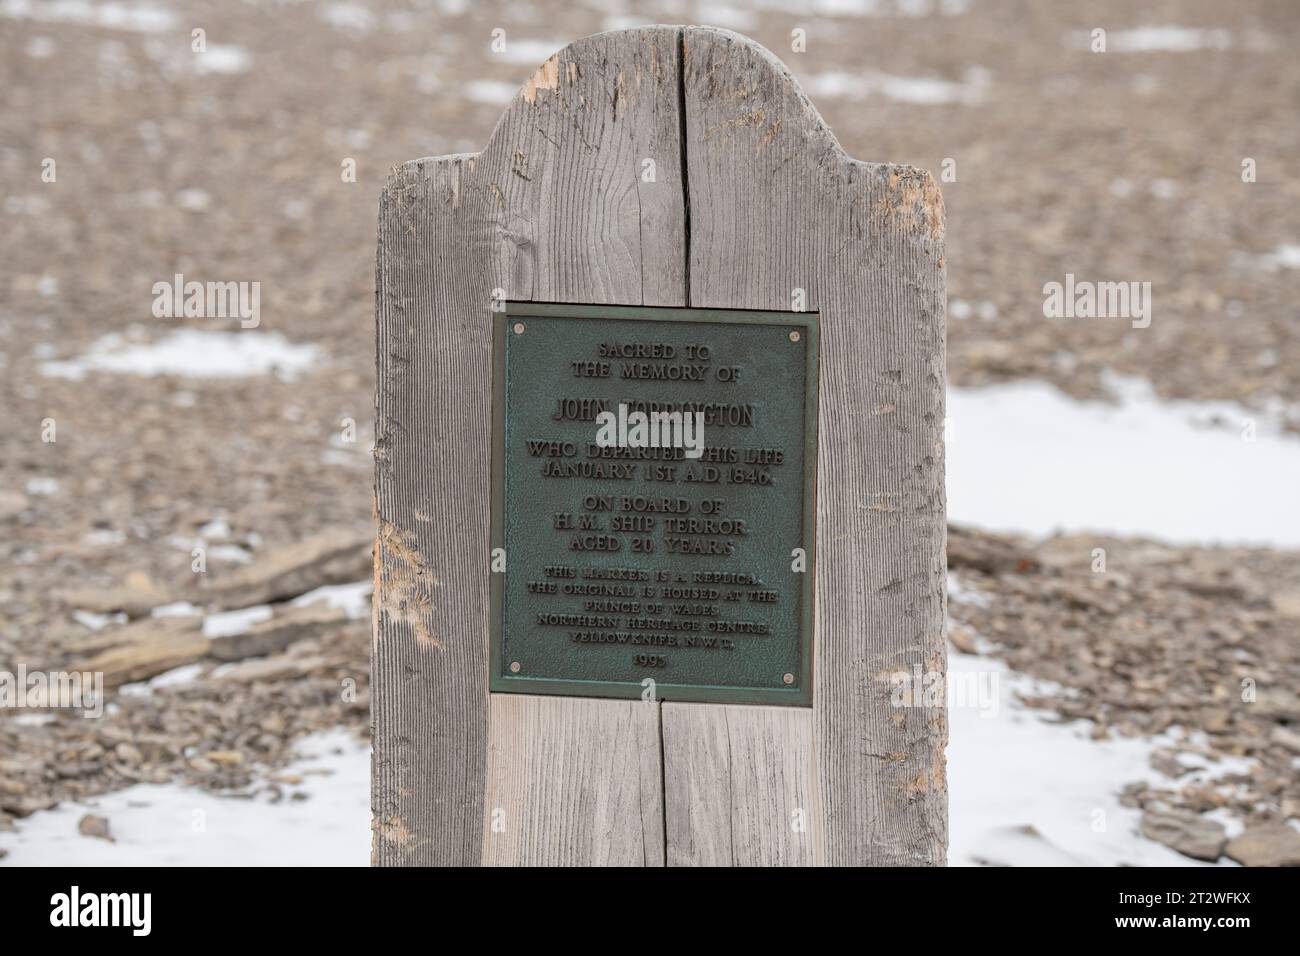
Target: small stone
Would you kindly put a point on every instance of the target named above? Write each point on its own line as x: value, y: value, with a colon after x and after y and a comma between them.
x: 95, y: 826
x: 1133, y: 795
x: 26, y: 806
x: 1267, y: 844
x: 1188, y: 833
x: 225, y: 757
x: 962, y: 638
x: 12, y: 503
x: 1166, y: 761
x: 1279, y: 703
x: 274, y: 724
x: 992, y: 554
x: 1287, y: 737
x: 1287, y: 604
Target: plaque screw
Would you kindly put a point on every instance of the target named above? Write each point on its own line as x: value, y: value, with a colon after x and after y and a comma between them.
x: 789, y: 678
x: 519, y: 330
x: 514, y: 667
x: 794, y: 337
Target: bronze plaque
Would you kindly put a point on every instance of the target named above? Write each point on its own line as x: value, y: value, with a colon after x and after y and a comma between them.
x: 653, y: 502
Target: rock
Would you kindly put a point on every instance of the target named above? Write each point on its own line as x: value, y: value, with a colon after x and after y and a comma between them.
x: 1214, y: 720
x: 225, y: 757
x: 275, y: 724
x: 1287, y: 737
x: 1166, y: 761
x: 12, y: 503
x: 270, y: 637
x: 1287, y: 604
x: 962, y: 638
x: 1267, y: 844
x: 1219, y: 590
x: 143, y: 650
x: 95, y: 826
x: 992, y: 554
x: 1278, y: 703
x: 338, y: 556
x: 26, y: 806
x: 1133, y: 795
x: 1203, y: 797
x: 1188, y: 833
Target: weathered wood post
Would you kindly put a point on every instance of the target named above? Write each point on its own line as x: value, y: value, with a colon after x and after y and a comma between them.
x: 607, y: 655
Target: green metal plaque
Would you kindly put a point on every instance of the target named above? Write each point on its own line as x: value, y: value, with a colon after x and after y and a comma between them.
x: 653, y: 503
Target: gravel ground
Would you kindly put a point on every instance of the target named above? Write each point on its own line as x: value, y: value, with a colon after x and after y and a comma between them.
x: 226, y: 164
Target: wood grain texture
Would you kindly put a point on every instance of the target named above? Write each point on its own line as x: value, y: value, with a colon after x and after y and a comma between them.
x: 429, y: 695
x: 573, y: 782
x: 740, y: 786
x: 554, y: 209
x: 775, y: 206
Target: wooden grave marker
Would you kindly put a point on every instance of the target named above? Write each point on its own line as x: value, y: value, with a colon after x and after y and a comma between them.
x: 659, y: 167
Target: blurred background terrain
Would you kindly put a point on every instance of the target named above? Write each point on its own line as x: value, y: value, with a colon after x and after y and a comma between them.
x: 1173, y: 448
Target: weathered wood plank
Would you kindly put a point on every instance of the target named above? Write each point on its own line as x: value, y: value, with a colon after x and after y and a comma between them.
x: 740, y: 786
x: 555, y: 208
x: 573, y: 782
x: 429, y: 695
x: 776, y: 206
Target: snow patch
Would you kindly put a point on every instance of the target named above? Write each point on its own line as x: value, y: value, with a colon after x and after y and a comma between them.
x: 530, y: 52
x: 1285, y: 256
x: 926, y: 91
x: 1024, y: 791
x: 1166, y: 39
x: 193, y: 353
x: 1026, y: 457
x: 176, y: 677
x: 490, y: 91
x: 348, y: 17
x: 131, y: 17
x: 227, y: 623
x: 226, y: 59
x: 174, y: 825
x: 353, y: 599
